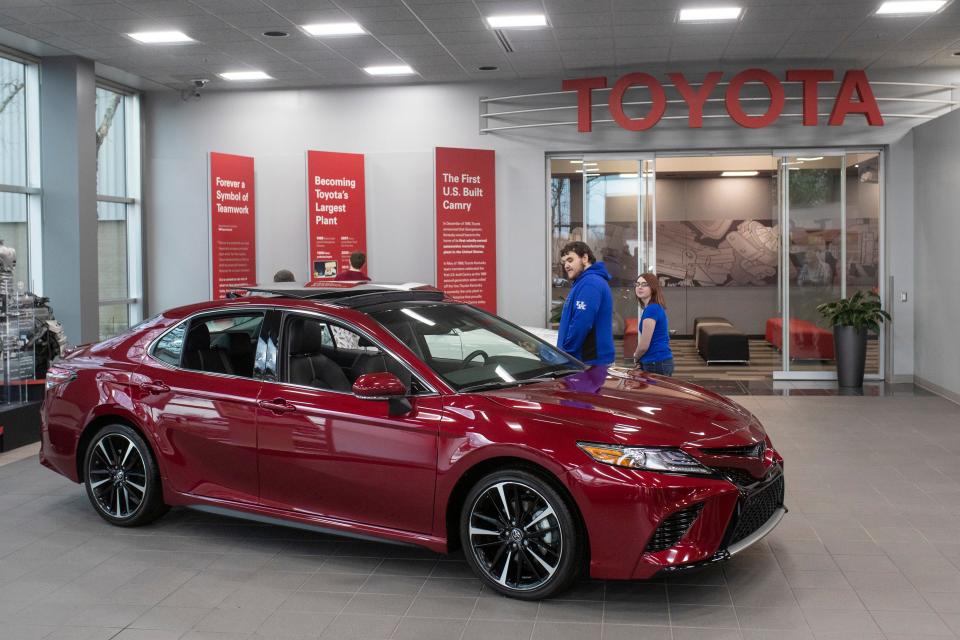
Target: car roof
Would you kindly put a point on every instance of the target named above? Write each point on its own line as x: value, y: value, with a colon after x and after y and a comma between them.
x: 339, y: 295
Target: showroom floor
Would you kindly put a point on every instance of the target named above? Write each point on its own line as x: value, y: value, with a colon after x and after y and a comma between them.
x: 870, y: 549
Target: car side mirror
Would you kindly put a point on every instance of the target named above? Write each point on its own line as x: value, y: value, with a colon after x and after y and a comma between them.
x: 383, y: 386
x: 378, y: 386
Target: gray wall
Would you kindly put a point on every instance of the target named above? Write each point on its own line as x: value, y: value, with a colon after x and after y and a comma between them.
x: 396, y: 128
x: 937, y: 224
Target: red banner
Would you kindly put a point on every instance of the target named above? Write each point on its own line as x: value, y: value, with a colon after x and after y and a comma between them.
x: 467, y: 225
x: 233, y: 224
x: 338, y: 213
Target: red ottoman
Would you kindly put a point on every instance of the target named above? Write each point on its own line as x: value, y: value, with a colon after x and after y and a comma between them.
x: 807, y: 340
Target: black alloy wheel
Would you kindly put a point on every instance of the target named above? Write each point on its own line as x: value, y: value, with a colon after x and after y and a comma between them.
x: 519, y: 535
x: 121, y: 477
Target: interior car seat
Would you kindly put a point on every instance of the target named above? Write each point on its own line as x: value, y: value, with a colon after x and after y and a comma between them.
x: 306, y: 365
x: 241, y: 353
x: 198, y: 355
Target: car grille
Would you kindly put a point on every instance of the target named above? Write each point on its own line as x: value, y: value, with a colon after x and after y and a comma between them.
x: 739, y: 477
x: 673, y: 527
x: 750, y: 451
x: 756, y: 509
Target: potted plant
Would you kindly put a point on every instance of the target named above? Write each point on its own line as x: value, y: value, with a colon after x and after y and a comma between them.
x: 851, y: 319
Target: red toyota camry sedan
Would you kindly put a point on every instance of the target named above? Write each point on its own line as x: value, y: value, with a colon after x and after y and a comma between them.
x: 398, y: 414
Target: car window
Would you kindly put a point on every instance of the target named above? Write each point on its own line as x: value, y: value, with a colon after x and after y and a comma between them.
x: 327, y: 355
x: 170, y: 346
x: 222, y: 344
x: 470, y: 348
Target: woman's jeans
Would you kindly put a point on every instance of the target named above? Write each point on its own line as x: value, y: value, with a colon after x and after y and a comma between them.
x: 663, y: 367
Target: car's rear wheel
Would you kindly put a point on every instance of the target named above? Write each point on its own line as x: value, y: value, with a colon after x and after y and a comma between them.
x: 122, y: 478
x: 520, y: 536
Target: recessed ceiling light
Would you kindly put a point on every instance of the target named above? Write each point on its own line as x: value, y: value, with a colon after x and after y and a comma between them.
x: 709, y: 14
x: 160, y: 37
x: 514, y: 22
x: 487, y: 67
x: 908, y: 7
x: 390, y: 70
x: 738, y: 174
x: 629, y: 175
x: 810, y: 159
x: 333, y: 29
x: 576, y: 162
x: 245, y: 75
x: 276, y: 34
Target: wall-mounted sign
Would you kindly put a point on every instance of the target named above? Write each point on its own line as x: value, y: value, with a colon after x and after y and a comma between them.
x: 337, y: 211
x: 854, y: 97
x: 466, y: 227
x: 233, y: 226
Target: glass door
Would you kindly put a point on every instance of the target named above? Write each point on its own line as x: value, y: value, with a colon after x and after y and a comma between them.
x: 824, y: 251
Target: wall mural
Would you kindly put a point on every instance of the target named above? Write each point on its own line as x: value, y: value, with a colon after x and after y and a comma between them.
x: 706, y: 253
x: 738, y: 253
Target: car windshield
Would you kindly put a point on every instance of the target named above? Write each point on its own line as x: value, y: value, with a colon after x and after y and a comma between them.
x: 472, y: 349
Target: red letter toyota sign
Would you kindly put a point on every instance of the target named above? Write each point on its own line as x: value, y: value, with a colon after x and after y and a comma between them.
x: 854, y: 83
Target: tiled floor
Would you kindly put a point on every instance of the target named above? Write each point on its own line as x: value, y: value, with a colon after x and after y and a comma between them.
x: 870, y: 549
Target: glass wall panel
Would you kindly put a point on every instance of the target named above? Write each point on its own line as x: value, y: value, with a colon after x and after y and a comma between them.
x: 13, y: 233
x: 13, y: 127
x: 111, y: 144
x: 814, y: 195
x: 112, y: 247
x: 862, y: 264
x: 566, y: 224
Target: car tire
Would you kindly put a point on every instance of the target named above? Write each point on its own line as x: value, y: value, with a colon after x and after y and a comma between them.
x: 520, y: 535
x: 122, y: 478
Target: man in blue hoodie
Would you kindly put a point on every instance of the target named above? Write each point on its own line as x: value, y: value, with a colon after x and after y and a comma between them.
x: 586, y: 324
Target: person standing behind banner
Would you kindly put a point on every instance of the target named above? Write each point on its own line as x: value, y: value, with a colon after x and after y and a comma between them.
x: 586, y: 322
x: 653, y: 352
x: 357, y: 260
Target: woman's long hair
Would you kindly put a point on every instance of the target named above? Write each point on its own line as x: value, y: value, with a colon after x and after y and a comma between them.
x: 656, y: 293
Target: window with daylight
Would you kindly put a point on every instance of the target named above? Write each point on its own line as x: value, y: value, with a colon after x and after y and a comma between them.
x: 118, y: 210
x: 20, y: 170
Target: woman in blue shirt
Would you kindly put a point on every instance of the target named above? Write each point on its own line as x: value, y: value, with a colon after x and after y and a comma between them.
x: 653, y: 353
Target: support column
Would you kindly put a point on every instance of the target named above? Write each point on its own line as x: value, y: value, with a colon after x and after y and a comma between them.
x: 68, y: 152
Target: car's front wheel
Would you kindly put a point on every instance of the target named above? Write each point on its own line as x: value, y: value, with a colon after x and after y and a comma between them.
x: 520, y: 536
x: 122, y: 478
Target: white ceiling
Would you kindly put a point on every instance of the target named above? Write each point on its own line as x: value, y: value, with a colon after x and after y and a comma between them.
x: 447, y: 40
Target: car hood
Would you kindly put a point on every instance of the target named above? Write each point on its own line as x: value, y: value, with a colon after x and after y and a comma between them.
x: 634, y: 408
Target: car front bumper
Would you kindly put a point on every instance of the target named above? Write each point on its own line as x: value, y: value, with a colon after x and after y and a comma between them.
x: 624, y: 508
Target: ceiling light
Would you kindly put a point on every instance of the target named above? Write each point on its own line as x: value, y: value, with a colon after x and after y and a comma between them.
x: 810, y: 159
x: 487, y: 67
x: 276, y: 34
x: 907, y: 7
x: 738, y: 174
x: 513, y: 22
x: 576, y: 162
x: 245, y: 75
x: 333, y: 29
x: 390, y: 70
x: 160, y: 37
x: 629, y: 175
x: 708, y: 14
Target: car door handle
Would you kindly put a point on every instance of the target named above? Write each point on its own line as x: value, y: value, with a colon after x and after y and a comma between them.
x: 154, y: 387
x: 277, y: 406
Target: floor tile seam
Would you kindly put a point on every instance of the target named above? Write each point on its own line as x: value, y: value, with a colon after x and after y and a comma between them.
x: 351, y: 598
x: 409, y: 606
x: 796, y: 600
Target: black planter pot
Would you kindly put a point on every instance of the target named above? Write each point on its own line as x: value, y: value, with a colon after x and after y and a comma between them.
x: 851, y: 349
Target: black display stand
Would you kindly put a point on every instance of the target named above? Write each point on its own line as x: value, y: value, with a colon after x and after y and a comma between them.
x: 21, y: 424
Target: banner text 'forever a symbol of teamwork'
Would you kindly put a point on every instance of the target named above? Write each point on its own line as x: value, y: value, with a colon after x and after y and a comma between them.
x: 233, y: 226
x: 467, y: 225
x: 853, y: 85
x: 338, y: 213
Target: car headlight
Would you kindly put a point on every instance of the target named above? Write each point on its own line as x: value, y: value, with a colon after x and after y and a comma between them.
x: 648, y: 459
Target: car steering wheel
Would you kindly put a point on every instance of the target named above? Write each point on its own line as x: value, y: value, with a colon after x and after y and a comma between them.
x: 474, y: 354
